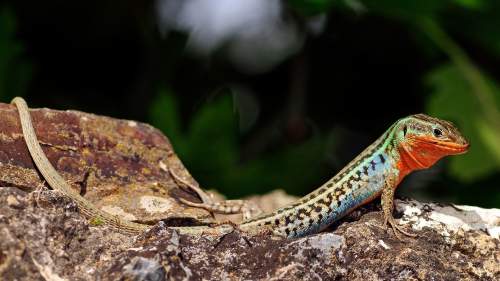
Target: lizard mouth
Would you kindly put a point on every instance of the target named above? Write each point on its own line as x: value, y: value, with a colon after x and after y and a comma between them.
x: 449, y: 147
x: 452, y: 147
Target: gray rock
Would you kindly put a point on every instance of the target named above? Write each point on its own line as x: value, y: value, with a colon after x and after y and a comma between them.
x: 44, y: 237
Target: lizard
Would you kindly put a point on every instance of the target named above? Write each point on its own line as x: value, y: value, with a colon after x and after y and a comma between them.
x: 412, y: 143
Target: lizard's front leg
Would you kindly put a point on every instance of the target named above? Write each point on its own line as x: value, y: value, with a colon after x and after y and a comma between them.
x: 387, y: 200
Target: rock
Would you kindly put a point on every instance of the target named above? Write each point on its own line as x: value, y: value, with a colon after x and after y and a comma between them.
x: 141, y: 268
x: 451, y: 219
x: 46, y: 238
x: 12, y: 201
x: 121, y: 166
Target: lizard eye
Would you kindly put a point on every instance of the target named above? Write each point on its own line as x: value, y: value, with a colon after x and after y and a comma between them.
x: 404, y: 130
x: 437, y: 133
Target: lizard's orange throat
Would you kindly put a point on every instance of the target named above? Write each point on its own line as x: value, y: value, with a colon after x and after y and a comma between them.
x: 422, y: 152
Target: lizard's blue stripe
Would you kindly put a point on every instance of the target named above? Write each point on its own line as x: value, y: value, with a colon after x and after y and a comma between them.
x: 358, y: 193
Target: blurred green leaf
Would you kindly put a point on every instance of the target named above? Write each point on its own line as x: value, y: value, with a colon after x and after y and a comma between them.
x: 15, y: 72
x: 404, y: 10
x: 210, y: 150
x: 473, y: 4
x: 213, y: 136
x: 209, y: 146
x: 311, y: 7
x: 164, y: 114
x: 453, y: 99
x: 491, y: 138
x: 292, y: 167
x: 479, y: 24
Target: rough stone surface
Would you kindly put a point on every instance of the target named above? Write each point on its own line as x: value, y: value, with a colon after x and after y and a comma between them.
x: 44, y: 237
x: 121, y: 166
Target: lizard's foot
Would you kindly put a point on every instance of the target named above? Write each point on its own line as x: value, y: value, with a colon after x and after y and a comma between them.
x: 227, y: 222
x: 250, y: 210
x: 389, y: 220
x: 247, y: 208
x: 205, y: 198
x: 234, y: 227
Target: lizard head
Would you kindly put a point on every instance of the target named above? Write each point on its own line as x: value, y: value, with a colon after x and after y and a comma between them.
x: 422, y: 140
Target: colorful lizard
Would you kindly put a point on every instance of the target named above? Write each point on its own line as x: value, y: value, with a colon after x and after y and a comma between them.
x: 411, y: 143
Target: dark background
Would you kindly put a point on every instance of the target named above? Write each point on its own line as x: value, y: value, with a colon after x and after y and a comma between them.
x: 297, y: 118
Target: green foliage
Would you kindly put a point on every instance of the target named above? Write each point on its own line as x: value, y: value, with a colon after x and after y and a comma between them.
x: 210, y: 149
x: 414, y: 10
x: 15, y: 72
x: 406, y: 10
x: 212, y: 135
x: 453, y: 99
x: 479, y: 24
x: 472, y: 4
x: 311, y: 7
x: 210, y: 141
x: 165, y: 116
